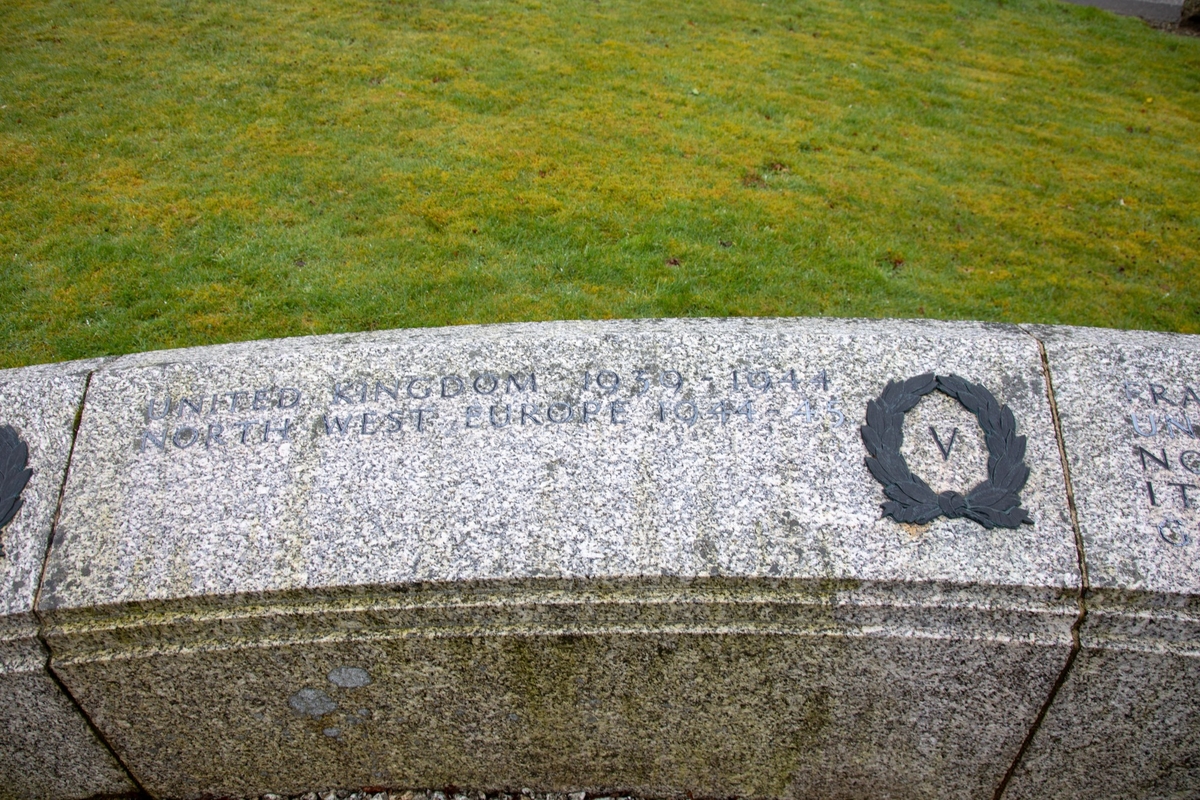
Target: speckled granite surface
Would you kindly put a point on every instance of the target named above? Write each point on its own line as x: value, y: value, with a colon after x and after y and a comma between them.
x: 467, y: 490
x: 562, y: 555
x: 1126, y: 723
x: 48, y: 750
x: 448, y: 793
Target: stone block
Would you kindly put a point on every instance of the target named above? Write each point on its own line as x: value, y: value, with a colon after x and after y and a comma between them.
x: 49, y: 750
x: 640, y: 555
x: 1126, y: 722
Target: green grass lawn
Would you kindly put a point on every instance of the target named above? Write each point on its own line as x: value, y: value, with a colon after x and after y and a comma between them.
x: 182, y: 172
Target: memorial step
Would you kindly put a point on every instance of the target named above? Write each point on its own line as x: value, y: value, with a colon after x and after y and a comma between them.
x: 762, y: 558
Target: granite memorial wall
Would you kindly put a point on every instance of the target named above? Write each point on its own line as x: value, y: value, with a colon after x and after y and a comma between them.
x: 47, y: 747
x: 770, y: 558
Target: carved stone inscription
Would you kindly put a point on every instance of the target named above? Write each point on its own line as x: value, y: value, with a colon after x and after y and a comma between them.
x: 631, y: 448
x: 406, y: 405
x: 1163, y: 419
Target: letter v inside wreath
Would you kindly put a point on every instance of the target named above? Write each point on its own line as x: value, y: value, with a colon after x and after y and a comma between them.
x: 994, y: 503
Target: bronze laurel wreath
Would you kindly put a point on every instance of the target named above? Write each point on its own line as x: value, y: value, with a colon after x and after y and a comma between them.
x: 14, y: 455
x: 994, y: 503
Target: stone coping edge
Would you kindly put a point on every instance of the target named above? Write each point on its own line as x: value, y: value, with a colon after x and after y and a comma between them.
x: 1036, y: 615
x: 52, y: 627
x: 1142, y: 621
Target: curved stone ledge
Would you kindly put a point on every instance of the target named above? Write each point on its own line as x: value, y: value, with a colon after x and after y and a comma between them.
x: 635, y: 555
x: 702, y: 606
x: 48, y: 748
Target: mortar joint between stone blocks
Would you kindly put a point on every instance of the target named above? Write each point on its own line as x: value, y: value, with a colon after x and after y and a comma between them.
x: 1083, y: 577
x: 1062, y: 454
x: 41, y: 634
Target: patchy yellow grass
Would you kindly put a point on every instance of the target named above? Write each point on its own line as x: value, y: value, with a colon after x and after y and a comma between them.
x: 179, y: 173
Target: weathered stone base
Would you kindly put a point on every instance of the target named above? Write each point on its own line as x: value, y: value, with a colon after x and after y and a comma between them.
x: 711, y: 687
x: 48, y: 749
x: 1124, y: 724
x: 642, y: 557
